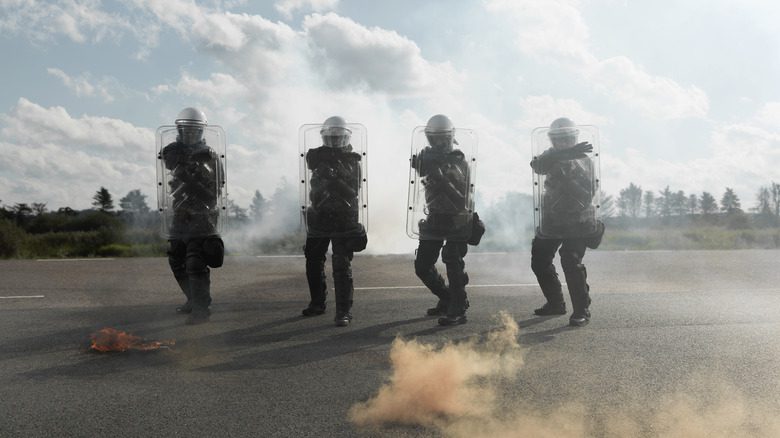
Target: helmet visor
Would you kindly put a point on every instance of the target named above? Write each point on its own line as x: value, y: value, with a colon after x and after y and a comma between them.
x: 440, y: 140
x: 190, y: 134
x: 335, y: 137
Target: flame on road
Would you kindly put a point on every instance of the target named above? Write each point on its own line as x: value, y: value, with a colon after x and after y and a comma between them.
x: 109, y: 339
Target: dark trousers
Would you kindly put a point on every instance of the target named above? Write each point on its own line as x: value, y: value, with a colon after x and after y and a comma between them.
x: 571, y: 251
x: 452, y: 255
x: 315, y: 250
x: 189, y: 268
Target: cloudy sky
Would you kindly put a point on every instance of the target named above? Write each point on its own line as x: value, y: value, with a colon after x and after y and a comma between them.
x: 685, y: 93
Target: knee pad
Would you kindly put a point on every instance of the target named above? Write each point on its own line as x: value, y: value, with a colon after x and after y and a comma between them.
x: 177, y: 254
x: 451, y: 254
x: 570, y: 260
x: 539, y: 266
x: 195, y: 264
x: 420, y: 268
x: 341, y: 264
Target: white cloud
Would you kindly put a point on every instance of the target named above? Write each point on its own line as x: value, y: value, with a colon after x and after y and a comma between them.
x: 77, y: 20
x: 743, y: 156
x: 556, y: 32
x: 288, y: 7
x: 656, y: 96
x: 49, y: 156
x: 549, y: 28
x: 352, y: 56
x: 769, y: 114
x: 82, y: 85
x: 539, y: 111
x: 219, y: 87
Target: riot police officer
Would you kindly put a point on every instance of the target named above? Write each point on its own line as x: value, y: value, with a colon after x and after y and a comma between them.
x: 566, y: 213
x: 335, y: 181
x: 441, y: 214
x: 191, y: 183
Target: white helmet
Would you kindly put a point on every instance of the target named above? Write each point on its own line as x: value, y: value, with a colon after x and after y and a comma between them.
x: 190, y: 123
x: 335, y: 133
x: 440, y: 132
x: 563, y: 132
x: 191, y: 116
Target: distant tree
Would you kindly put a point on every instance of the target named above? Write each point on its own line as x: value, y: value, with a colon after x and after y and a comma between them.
x: 679, y: 203
x: 21, y: 212
x: 134, y: 202
x: 775, y: 191
x: 259, y: 207
x: 630, y: 200
x: 693, y: 204
x: 22, y: 209
x: 764, y: 199
x: 649, y: 204
x: 664, y: 202
x: 707, y: 204
x: 102, y: 200
x: 39, y: 208
x: 66, y: 210
x: 729, y: 203
x: 235, y: 212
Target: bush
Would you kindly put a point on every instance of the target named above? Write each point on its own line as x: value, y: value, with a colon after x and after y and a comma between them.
x: 72, y: 244
x: 124, y: 250
x: 11, y: 239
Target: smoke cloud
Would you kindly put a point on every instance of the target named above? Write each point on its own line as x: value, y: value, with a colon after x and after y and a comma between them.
x: 430, y: 386
x: 456, y: 389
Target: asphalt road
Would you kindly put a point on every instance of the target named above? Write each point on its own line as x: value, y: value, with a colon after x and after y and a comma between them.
x: 703, y: 324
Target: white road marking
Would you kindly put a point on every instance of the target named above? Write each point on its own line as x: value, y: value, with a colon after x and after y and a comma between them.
x: 279, y: 256
x: 468, y: 286
x: 74, y: 260
x: 17, y: 297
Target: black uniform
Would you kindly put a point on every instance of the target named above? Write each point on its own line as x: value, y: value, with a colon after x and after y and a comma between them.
x: 333, y: 216
x: 569, y: 223
x: 194, y: 241
x: 445, y: 176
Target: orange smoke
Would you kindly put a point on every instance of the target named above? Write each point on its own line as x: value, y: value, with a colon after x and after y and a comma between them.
x: 110, y: 339
x: 455, y: 390
x: 429, y: 384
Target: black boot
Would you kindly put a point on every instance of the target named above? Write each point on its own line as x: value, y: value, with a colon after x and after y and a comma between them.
x: 343, y: 318
x: 200, y: 285
x: 314, y: 309
x: 549, y: 309
x: 440, y: 309
x: 576, y: 279
x: 318, y: 288
x: 580, y: 318
x: 456, y: 311
x: 184, y: 284
x: 435, y: 283
x: 342, y: 283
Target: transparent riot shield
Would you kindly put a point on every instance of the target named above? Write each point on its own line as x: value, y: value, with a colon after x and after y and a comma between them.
x: 566, y: 185
x: 333, y: 183
x: 191, y: 183
x: 441, y: 187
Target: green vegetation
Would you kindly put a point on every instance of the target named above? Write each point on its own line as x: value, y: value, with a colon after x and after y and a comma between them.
x: 690, y: 238
x: 635, y: 220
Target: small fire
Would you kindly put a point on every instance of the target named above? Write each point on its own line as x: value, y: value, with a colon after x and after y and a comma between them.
x: 110, y: 339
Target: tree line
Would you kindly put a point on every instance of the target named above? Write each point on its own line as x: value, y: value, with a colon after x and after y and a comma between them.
x: 633, y: 202
x: 127, y: 228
